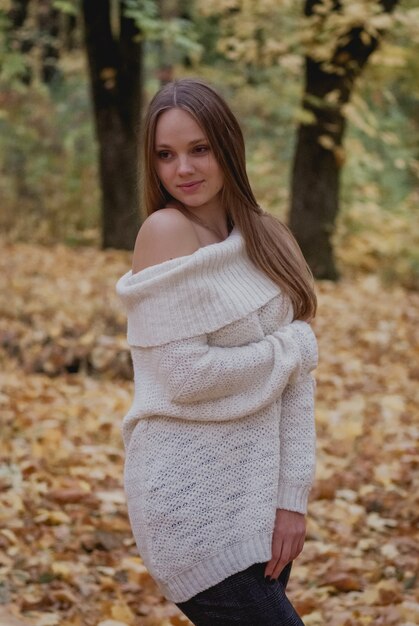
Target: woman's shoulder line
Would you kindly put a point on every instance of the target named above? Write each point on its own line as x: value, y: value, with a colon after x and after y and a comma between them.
x: 164, y: 235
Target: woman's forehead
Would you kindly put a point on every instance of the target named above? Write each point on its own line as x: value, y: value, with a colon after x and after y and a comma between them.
x: 177, y: 124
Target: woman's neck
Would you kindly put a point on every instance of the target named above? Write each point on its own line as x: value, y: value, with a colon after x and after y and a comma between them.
x: 220, y: 227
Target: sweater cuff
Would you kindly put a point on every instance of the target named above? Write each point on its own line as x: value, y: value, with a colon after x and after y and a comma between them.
x: 292, y: 497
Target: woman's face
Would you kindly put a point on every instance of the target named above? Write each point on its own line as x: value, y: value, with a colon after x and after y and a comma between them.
x: 185, y: 163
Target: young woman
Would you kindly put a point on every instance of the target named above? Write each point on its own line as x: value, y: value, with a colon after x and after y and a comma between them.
x: 220, y: 437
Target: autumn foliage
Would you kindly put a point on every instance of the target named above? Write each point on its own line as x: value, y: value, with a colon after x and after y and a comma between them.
x: 67, y: 556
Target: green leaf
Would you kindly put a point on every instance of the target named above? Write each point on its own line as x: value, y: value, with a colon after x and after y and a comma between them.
x: 66, y: 6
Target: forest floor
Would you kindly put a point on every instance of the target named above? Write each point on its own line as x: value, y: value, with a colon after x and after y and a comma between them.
x: 67, y: 556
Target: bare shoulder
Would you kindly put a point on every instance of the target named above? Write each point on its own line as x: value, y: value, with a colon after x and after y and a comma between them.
x: 165, y: 234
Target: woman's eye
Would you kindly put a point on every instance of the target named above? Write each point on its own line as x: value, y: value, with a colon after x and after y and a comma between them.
x: 163, y: 154
x: 201, y: 149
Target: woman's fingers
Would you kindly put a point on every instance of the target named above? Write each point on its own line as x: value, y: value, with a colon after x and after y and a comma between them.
x: 287, y: 541
x: 290, y: 551
x: 277, y: 542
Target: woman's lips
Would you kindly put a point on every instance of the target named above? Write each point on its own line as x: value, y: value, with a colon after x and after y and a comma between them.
x: 189, y: 187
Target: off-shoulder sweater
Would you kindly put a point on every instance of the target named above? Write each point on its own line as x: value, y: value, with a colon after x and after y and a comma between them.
x: 221, y: 430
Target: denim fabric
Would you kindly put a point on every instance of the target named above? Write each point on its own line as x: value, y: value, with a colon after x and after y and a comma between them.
x: 244, y: 599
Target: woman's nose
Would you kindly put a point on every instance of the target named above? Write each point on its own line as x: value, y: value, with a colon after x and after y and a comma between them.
x: 185, y: 165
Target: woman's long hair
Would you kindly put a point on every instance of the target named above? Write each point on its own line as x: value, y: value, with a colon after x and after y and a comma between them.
x: 269, y: 243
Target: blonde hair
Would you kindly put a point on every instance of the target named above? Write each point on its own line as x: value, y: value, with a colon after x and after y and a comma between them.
x: 269, y: 243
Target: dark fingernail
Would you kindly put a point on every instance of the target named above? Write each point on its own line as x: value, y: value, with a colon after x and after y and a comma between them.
x: 269, y: 579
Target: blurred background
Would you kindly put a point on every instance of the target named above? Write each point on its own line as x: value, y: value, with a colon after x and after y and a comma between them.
x: 327, y: 93
x: 328, y: 101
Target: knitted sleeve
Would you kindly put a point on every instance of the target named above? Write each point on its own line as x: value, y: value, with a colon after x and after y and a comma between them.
x: 296, y: 430
x: 223, y: 381
x: 297, y: 444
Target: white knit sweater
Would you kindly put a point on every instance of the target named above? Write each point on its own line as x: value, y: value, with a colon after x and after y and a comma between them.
x: 221, y: 429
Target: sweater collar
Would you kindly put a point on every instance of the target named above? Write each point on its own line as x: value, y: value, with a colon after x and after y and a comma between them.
x: 193, y: 294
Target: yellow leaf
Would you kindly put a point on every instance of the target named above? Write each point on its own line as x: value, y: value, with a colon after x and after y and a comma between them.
x: 52, y: 517
x: 326, y: 141
x: 121, y: 612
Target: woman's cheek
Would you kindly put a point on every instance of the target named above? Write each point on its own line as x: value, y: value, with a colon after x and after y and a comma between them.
x: 166, y: 177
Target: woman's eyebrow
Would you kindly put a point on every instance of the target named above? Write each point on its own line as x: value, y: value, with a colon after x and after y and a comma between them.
x: 191, y: 143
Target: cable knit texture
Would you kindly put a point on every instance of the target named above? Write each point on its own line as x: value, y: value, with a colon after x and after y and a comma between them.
x: 220, y: 432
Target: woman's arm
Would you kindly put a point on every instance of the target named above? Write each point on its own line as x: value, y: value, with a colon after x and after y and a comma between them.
x: 297, y: 444
x: 297, y: 429
x: 223, y: 381
x: 296, y: 473
x: 189, y: 379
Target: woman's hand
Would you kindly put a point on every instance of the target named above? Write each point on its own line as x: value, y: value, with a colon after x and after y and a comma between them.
x: 287, y: 541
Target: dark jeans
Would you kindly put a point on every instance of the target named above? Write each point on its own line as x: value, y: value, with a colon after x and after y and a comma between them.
x: 246, y: 599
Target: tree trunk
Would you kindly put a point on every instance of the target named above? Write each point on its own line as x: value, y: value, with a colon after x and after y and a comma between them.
x: 319, y: 155
x: 48, y: 20
x: 43, y: 38
x: 70, y: 32
x: 168, y: 9
x: 115, y: 65
x: 18, y: 38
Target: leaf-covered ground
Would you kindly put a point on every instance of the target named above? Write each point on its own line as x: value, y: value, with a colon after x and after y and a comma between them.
x: 66, y: 553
